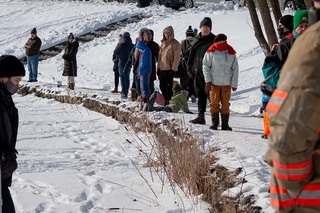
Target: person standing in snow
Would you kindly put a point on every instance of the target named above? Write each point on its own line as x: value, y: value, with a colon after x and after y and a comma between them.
x: 221, y: 71
x: 289, y: 29
x: 294, y: 151
x: 115, y: 61
x: 185, y: 81
x: 123, y: 52
x: 145, y: 69
x: 11, y: 73
x: 146, y: 35
x: 133, y: 61
x: 199, y: 47
x: 70, y: 60
x: 155, y: 48
x: 33, y: 46
x: 168, y: 63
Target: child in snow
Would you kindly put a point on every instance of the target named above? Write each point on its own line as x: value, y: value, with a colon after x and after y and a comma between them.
x: 177, y: 102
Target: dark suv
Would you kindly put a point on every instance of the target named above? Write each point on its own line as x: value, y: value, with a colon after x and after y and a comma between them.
x: 176, y: 4
x: 285, y: 4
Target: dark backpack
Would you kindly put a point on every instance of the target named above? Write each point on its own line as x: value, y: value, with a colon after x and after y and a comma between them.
x: 182, y: 67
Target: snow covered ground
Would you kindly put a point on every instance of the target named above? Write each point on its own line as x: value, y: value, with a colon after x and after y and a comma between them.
x: 74, y: 160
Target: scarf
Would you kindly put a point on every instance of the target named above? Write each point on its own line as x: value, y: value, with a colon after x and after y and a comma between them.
x: 222, y: 47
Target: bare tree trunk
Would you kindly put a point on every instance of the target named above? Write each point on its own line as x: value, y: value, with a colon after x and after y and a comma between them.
x: 257, y: 27
x: 276, y: 10
x: 267, y: 22
x: 308, y: 3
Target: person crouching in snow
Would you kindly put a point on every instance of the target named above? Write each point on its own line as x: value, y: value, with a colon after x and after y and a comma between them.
x: 221, y: 70
x: 177, y: 102
x: 70, y: 60
x: 145, y: 68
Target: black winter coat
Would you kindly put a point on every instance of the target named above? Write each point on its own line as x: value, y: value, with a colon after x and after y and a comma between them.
x: 70, y: 58
x: 8, y: 136
x: 155, y: 48
x: 123, y: 51
x: 199, y: 47
x: 115, y: 60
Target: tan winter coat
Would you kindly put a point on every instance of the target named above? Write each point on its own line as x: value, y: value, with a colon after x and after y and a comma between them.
x: 169, y: 54
x: 294, y: 144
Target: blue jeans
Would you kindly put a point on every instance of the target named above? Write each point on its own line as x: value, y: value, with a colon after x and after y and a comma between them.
x: 125, y: 79
x: 33, y: 61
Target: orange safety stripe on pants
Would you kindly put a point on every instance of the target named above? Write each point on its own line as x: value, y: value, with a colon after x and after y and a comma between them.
x: 276, y: 100
x: 266, y: 127
x: 309, y: 196
x: 280, y: 94
x: 292, y: 172
x: 280, y: 198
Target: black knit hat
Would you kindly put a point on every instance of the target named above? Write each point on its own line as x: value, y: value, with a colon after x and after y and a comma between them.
x: 287, y: 21
x: 189, y: 31
x: 126, y: 35
x: 220, y: 37
x: 206, y: 22
x: 11, y: 66
x: 71, y: 36
x: 34, y: 31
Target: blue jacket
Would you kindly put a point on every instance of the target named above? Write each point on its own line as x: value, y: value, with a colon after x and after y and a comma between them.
x: 145, y: 66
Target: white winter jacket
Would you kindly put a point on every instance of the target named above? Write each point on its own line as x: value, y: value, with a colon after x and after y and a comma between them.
x: 220, y: 68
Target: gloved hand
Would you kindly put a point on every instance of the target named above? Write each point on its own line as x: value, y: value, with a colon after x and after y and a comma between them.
x: 191, y: 72
x: 208, y: 86
x: 234, y: 89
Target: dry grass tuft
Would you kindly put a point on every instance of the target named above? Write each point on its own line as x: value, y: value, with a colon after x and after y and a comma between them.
x: 178, y: 156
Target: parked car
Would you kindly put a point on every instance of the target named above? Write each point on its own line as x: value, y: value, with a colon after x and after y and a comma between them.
x: 285, y: 4
x: 176, y: 4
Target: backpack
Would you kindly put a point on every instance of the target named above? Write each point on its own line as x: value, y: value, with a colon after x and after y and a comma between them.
x: 182, y: 67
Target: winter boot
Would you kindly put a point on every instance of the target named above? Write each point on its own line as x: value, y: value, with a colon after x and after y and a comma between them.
x: 225, y: 122
x: 199, y: 120
x: 215, y: 121
x: 72, y: 86
x: 115, y: 90
x: 193, y: 99
x: 133, y: 94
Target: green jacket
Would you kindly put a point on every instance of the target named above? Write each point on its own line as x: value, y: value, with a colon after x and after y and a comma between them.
x: 179, y: 101
x: 199, y: 47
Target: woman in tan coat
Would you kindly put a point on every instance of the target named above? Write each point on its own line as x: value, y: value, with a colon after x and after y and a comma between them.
x: 169, y: 56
